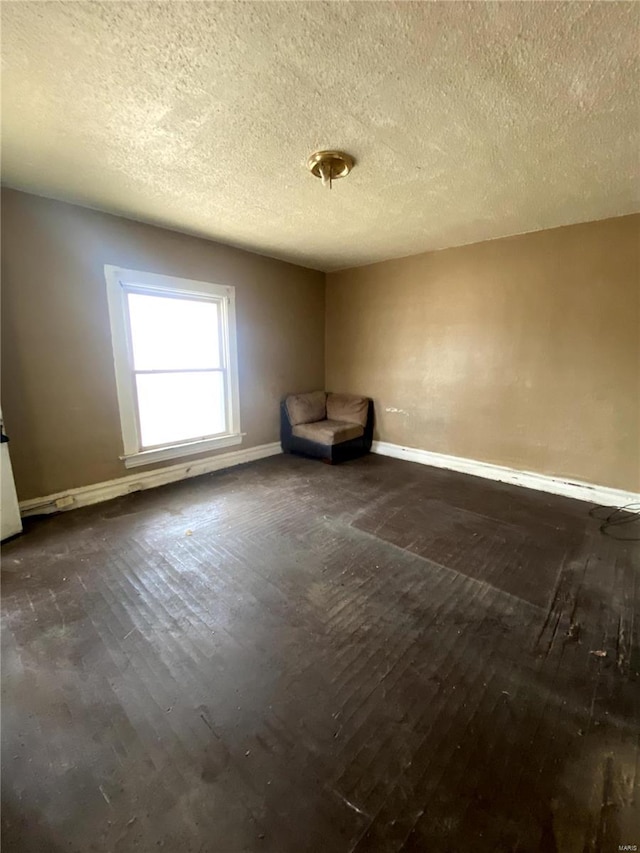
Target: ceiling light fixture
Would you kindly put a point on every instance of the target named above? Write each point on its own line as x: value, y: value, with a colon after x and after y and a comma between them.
x: 330, y: 165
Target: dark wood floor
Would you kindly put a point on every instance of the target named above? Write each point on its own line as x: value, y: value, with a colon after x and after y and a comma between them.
x: 296, y: 658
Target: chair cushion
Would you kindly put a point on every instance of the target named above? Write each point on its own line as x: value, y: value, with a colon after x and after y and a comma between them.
x: 306, y: 408
x: 328, y: 432
x: 347, y: 407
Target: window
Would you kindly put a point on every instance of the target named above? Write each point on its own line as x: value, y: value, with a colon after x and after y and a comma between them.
x: 176, y: 368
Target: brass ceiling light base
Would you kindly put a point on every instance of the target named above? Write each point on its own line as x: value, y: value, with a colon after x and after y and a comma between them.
x: 330, y: 165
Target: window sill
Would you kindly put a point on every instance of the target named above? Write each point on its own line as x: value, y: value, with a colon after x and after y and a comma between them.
x: 175, y: 451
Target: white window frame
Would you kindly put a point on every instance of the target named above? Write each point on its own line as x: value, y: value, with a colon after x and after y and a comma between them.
x: 120, y: 282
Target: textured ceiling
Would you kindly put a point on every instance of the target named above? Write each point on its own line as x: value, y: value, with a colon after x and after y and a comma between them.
x: 467, y: 121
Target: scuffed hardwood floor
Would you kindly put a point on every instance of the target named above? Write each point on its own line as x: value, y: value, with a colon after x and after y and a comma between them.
x: 296, y: 658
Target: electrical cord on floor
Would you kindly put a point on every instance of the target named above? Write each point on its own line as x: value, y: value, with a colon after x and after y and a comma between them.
x: 621, y: 515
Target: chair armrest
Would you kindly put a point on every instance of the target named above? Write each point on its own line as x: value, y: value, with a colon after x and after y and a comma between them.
x: 368, y: 430
x: 286, y: 430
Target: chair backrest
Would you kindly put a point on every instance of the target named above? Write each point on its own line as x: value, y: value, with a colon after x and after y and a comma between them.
x: 306, y: 408
x: 348, y: 407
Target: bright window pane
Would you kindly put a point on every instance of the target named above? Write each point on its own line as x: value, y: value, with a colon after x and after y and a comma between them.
x: 178, y: 407
x: 173, y: 334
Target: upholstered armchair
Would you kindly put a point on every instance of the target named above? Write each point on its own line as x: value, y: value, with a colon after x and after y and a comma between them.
x: 331, y: 427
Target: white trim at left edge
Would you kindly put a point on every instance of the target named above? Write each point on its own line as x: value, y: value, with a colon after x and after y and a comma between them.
x: 97, y: 492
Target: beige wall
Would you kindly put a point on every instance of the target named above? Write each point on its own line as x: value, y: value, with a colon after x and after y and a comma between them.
x: 58, y: 385
x: 523, y: 352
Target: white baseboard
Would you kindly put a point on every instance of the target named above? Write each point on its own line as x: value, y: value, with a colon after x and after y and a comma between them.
x: 97, y: 492
x: 601, y: 495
